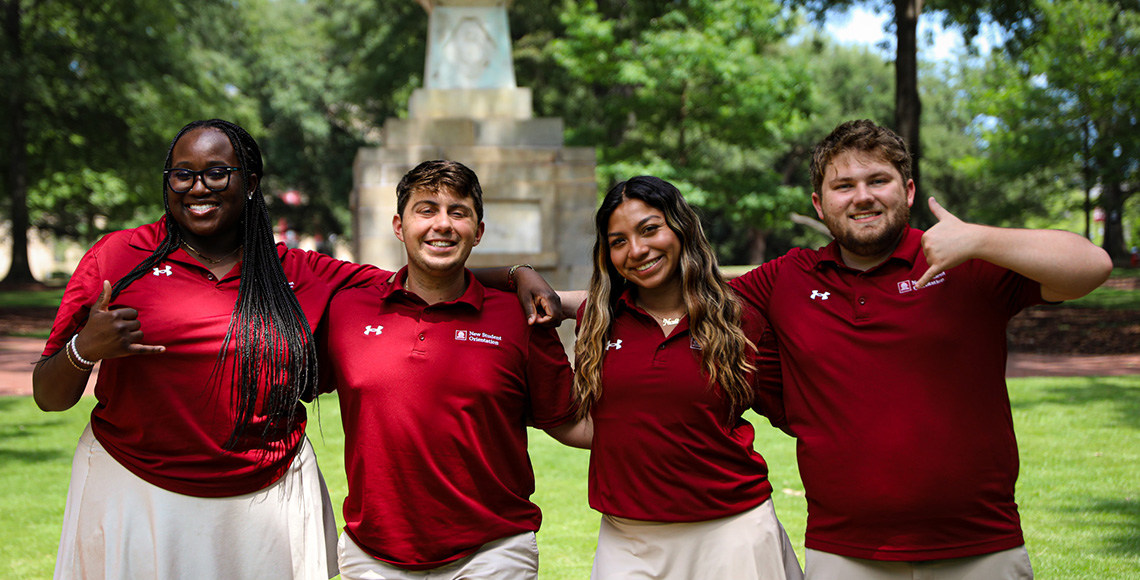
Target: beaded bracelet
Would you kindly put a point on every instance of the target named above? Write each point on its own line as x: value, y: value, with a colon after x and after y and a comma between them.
x: 75, y: 351
x: 511, y: 284
x: 67, y: 354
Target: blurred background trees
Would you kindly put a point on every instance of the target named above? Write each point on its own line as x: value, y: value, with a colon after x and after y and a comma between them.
x: 722, y: 97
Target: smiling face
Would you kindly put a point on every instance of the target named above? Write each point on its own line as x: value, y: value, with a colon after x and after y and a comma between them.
x: 210, y: 220
x: 439, y: 229
x: 642, y: 247
x: 866, y: 205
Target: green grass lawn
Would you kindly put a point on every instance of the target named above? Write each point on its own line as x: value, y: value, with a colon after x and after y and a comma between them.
x: 1079, y: 489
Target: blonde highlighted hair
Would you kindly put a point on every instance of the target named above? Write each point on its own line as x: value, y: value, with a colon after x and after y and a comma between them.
x: 714, y: 310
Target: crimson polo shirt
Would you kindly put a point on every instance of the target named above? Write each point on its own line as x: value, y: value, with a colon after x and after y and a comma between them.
x: 159, y: 415
x: 663, y: 447
x: 897, y: 396
x: 435, y: 401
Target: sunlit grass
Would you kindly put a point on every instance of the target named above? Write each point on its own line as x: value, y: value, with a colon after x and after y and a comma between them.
x: 1079, y: 489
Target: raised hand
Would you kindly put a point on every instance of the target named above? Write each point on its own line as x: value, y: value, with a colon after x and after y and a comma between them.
x: 112, y: 333
x: 948, y: 243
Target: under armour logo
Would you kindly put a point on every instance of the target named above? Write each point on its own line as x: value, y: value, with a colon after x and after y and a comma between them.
x: 821, y: 295
x: 370, y: 330
x: 616, y: 345
x: 166, y: 270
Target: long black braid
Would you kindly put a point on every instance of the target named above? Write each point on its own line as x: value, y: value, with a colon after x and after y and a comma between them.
x: 275, y: 345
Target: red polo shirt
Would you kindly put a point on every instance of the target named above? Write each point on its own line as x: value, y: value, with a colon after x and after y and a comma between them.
x: 663, y: 447
x: 897, y: 396
x: 435, y: 401
x: 159, y: 415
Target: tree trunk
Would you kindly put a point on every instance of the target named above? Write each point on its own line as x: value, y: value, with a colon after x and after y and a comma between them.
x: 757, y: 246
x: 20, y: 274
x: 1112, y: 198
x: 908, y: 108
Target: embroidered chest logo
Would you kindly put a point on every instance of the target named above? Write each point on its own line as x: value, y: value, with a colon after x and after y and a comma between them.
x: 163, y: 271
x: 476, y: 336
x: 614, y: 345
x: 377, y: 330
x: 821, y: 295
x: 912, y: 285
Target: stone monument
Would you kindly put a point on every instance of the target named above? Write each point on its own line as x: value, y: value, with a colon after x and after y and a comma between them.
x: 539, y: 196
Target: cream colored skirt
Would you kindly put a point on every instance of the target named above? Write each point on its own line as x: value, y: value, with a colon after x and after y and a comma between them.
x: 748, y: 546
x: 117, y: 526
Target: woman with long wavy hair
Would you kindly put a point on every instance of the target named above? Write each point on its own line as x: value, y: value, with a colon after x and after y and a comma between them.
x: 667, y: 360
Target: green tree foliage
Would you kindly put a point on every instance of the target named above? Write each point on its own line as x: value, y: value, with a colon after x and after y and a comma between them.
x: 1065, y: 108
x: 693, y: 92
x: 91, y: 88
x: 1017, y: 16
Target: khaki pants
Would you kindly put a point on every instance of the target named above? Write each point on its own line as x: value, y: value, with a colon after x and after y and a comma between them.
x: 1010, y: 564
x: 511, y: 558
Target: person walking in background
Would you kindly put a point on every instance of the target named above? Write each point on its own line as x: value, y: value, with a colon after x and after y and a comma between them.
x: 438, y: 378
x: 667, y: 360
x: 893, y: 346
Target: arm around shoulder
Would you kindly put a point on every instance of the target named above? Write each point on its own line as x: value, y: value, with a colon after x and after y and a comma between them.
x: 574, y: 433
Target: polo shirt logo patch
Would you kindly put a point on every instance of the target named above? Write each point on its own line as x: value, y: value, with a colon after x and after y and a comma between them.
x: 370, y: 330
x: 614, y: 345
x: 164, y: 271
x: 821, y: 295
x: 912, y: 285
x: 476, y: 336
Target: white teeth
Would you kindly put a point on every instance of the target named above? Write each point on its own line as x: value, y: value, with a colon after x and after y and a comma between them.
x: 441, y: 244
x: 860, y: 216
x: 203, y: 206
x: 647, y: 266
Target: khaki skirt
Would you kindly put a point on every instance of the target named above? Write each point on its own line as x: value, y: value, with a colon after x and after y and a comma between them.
x: 748, y: 545
x: 117, y: 526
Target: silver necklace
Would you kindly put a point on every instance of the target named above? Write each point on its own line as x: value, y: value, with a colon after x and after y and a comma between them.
x: 665, y: 321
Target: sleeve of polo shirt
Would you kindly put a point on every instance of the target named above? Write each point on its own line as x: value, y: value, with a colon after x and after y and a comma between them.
x: 549, y: 380
x: 1015, y: 291
x: 326, y: 371
x: 755, y: 285
x: 82, y: 290
x: 767, y: 380
x: 340, y: 274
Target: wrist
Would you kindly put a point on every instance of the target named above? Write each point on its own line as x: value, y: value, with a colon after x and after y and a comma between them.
x: 75, y: 351
x: 512, y: 284
x: 81, y: 364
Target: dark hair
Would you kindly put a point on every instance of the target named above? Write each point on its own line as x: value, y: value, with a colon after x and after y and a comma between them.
x: 715, y: 312
x: 275, y: 345
x: 862, y: 136
x: 436, y: 175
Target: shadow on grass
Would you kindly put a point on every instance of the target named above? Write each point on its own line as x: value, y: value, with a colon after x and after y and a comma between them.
x: 1122, y: 537
x: 16, y: 434
x: 1122, y: 393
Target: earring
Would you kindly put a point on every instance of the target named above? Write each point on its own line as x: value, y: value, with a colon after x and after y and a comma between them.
x: 249, y: 197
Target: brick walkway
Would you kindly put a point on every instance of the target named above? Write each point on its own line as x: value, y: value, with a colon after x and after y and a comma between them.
x: 18, y: 354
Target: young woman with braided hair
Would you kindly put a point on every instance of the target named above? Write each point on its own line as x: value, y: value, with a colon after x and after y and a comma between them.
x: 195, y: 463
x: 667, y: 359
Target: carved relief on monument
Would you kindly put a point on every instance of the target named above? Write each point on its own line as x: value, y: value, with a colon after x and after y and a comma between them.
x: 469, y: 45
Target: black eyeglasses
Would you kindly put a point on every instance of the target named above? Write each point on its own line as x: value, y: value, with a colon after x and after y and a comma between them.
x: 214, y: 178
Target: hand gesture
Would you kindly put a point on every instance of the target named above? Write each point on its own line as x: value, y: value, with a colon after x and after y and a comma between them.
x: 112, y: 333
x: 540, y: 302
x: 947, y: 244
